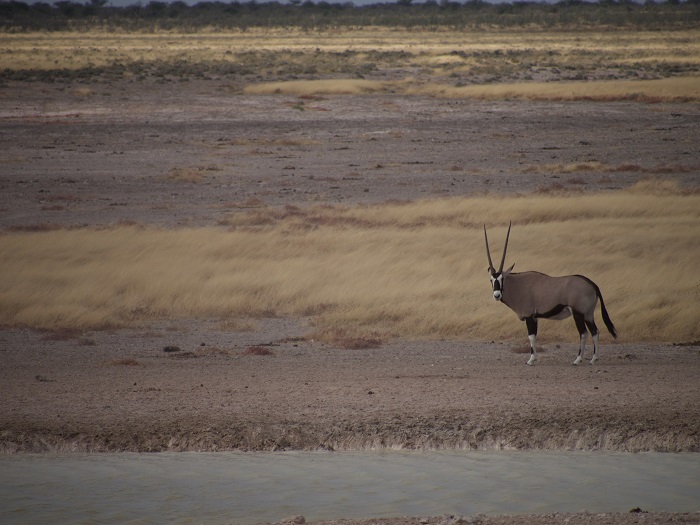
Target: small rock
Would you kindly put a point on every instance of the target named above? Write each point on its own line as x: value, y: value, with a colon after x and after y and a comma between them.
x: 457, y: 520
x: 172, y: 349
x: 298, y: 520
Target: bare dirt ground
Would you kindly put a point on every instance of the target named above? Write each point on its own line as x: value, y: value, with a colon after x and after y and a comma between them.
x: 131, y: 390
x: 190, y: 154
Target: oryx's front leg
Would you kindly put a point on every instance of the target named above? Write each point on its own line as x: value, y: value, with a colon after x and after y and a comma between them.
x: 531, y: 323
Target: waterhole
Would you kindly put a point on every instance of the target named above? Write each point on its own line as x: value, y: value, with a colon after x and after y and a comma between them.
x: 216, y: 488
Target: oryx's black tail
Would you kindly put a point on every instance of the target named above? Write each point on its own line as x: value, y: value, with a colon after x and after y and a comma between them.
x: 604, y: 312
x: 606, y: 317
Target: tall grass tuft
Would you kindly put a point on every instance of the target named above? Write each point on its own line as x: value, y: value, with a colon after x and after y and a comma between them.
x: 410, y: 270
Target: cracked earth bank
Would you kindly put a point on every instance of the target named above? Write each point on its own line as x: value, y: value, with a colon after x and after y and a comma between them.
x: 189, y: 155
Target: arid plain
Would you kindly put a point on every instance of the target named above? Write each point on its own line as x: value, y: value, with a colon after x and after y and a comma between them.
x: 363, y: 317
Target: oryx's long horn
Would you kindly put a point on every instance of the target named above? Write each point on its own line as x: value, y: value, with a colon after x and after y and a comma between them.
x: 488, y: 252
x: 505, y: 248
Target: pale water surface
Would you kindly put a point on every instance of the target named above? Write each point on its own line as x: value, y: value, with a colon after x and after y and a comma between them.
x: 232, y: 487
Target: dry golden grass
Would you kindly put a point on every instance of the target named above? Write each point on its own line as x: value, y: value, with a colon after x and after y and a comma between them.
x: 413, y: 270
x: 683, y: 89
x: 666, y: 89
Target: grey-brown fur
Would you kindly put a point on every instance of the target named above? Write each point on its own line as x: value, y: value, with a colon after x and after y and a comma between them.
x: 534, y: 293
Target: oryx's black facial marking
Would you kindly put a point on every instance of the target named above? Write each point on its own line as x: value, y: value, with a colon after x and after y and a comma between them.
x: 497, y: 285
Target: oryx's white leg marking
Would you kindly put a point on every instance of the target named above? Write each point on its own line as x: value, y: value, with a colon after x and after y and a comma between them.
x: 533, y: 349
x: 582, y: 348
x: 595, y: 348
x: 531, y: 323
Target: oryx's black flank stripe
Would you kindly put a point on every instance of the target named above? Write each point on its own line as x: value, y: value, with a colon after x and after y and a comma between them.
x: 553, y: 312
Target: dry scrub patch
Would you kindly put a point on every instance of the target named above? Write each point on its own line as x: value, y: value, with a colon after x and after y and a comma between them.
x: 597, y: 166
x: 124, y: 362
x: 677, y: 89
x: 321, y: 87
x: 193, y: 174
x: 650, y: 66
x: 258, y: 350
x: 42, y: 50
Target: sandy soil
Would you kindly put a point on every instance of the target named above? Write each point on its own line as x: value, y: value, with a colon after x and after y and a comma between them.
x: 193, y: 153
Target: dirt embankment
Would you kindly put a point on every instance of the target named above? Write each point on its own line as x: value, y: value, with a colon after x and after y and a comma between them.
x: 634, y: 517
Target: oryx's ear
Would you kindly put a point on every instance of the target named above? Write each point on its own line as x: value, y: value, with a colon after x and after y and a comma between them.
x: 507, y: 272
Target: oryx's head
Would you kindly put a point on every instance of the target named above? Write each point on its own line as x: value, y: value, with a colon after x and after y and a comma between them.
x: 497, y: 276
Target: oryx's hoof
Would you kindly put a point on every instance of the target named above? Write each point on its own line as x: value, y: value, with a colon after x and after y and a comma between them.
x: 595, y: 358
x: 577, y: 361
x: 531, y: 361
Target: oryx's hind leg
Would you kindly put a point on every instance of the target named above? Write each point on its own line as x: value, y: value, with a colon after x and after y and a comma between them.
x: 583, y: 336
x: 531, y: 323
x: 593, y: 329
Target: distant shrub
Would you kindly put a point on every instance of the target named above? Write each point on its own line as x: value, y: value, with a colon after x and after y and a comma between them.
x: 157, y: 15
x: 124, y: 362
x: 258, y: 350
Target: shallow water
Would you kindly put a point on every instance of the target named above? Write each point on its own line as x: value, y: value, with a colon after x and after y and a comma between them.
x: 234, y: 487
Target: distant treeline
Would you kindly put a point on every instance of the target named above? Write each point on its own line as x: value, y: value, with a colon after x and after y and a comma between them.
x: 155, y: 15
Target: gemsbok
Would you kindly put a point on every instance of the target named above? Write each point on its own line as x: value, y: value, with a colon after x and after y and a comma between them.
x: 533, y: 296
